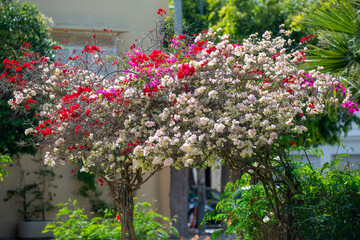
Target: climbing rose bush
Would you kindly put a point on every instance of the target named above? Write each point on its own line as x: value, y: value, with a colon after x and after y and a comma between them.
x: 227, y: 97
x: 171, y: 108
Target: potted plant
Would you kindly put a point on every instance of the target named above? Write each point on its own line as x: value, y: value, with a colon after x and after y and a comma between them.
x: 34, y: 199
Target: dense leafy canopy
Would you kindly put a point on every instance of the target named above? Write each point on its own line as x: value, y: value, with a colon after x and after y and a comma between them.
x: 244, y: 17
x: 19, y: 24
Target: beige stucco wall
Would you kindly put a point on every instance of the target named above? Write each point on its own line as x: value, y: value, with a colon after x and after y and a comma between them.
x: 129, y: 20
x: 155, y: 191
x: 66, y: 188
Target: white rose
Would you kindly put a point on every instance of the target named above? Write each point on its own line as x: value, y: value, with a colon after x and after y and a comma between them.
x: 213, y: 94
x: 203, y: 121
x: 149, y: 124
x: 219, y: 127
x: 168, y: 162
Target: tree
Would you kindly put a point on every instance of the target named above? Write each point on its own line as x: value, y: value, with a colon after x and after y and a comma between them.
x: 22, y: 23
x: 21, y: 26
x: 184, y: 107
x: 242, y: 18
x: 194, y: 18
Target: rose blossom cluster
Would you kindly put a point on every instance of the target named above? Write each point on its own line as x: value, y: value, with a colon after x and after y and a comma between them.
x: 234, y: 98
x: 177, y: 108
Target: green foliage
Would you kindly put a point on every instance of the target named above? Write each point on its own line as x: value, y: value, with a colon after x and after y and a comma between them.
x: 326, y: 206
x: 35, y: 198
x: 245, y: 210
x: 89, y: 190
x: 3, y: 172
x: 240, y: 18
x: 147, y: 224
x: 72, y: 223
x: 328, y: 129
x: 329, y: 205
x: 193, y: 20
x: 19, y: 23
x: 12, y: 129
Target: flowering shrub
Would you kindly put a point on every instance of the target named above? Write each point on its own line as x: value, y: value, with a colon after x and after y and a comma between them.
x: 201, y: 100
x: 22, y: 26
x: 229, y: 97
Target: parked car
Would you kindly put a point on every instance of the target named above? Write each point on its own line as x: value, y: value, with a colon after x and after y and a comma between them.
x: 212, y: 198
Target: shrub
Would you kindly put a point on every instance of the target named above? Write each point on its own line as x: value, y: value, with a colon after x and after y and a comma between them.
x: 22, y: 29
x: 326, y: 206
x: 72, y: 223
x: 329, y: 205
x: 245, y: 211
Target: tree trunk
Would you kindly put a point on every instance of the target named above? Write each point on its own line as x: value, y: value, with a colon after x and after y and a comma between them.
x: 201, y: 200
x: 191, y: 178
x: 125, y: 205
x: 179, y: 192
x: 225, y: 176
x: 235, y: 175
x: 122, y: 192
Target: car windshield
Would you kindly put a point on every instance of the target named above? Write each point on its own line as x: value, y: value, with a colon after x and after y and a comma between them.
x: 211, y: 194
x: 192, y: 193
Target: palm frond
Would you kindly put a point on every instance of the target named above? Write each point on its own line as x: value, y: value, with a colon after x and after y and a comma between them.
x: 335, y: 55
x: 338, y: 16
